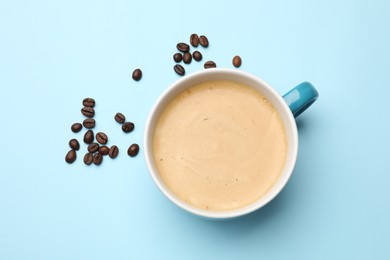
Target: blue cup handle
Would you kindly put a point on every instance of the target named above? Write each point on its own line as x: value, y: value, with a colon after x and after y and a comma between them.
x: 301, y: 97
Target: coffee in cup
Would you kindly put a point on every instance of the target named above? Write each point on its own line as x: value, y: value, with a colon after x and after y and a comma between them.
x: 219, y: 145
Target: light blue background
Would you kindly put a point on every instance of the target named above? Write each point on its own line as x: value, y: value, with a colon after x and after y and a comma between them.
x: 55, y: 53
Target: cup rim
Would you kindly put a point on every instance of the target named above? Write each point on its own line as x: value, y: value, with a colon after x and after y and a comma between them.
x: 270, y: 195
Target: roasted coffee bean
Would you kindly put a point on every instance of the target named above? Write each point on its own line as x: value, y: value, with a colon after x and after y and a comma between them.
x: 133, y: 150
x: 103, y: 150
x: 120, y: 118
x: 89, y: 123
x: 178, y: 57
x: 88, y: 137
x: 187, y: 58
x: 194, y: 40
x: 203, y: 41
x: 70, y: 156
x: 88, y: 158
x: 76, y: 127
x: 93, y: 148
x: 197, y: 56
x: 137, y: 74
x: 236, y: 61
x: 210, y: 64
x: 113, y: 152
x: 102, y: 137
x: 74, y: 144
x: 127, y: 127
x: 183, y: 47
x: 88, y: 102
x: 179, y: 69
x: 97, y: 158
x: 88, y: 111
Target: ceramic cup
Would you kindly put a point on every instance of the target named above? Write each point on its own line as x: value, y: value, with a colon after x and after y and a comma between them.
x: 289, y: 106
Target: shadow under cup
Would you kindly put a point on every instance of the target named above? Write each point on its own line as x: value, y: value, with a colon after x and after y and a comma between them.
x: 246, y: 79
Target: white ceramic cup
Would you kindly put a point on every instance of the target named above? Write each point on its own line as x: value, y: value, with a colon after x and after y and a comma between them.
x: 289, y: 106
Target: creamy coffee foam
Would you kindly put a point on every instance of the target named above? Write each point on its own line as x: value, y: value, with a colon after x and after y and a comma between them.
x: 219, y: 145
